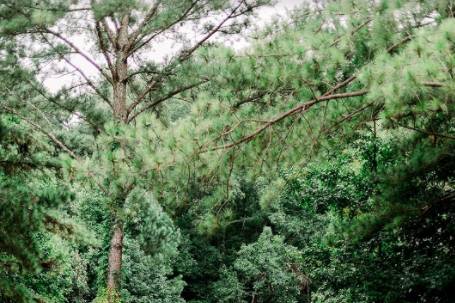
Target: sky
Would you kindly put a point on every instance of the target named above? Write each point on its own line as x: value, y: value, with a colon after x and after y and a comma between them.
x: 163, y: 49
x: 280, y: 7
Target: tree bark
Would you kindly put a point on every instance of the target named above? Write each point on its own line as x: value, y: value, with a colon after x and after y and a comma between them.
x: 120, y: 76
x: 115, y: 258
x: 119, y: 83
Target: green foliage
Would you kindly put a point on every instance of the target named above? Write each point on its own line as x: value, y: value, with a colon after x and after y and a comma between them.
x: 107, y: 296
x: 267, y: 270
x: 344, y: 244
x: 150, y: 248
x: 334, y: 129
x: 33, y: 251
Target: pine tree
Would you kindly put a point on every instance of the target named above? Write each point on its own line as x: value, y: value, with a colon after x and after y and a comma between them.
x: 334, y: 127
x: 119, y: 31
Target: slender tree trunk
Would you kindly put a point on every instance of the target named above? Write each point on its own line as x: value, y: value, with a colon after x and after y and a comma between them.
x: 120, y: 114
x: 115, y: 258
x: 121, y: 72
x: 120, y: 97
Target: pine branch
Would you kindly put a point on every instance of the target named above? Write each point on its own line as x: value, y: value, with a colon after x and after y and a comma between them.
x: 57, y: 141
x: 164, y: 98
x: 137, y: 44
x: 61, y: 106
x: 79, y: 51
x: 298, y: 109
x: 79, y: 70
x: 51, y: 9
x: 42, y: 130
x: 250, y: 99
x: 352, y: 32
x: 135, y: 34
x: 426, y: 132
x: 307, y: 105
x: 186, y: 54
x: 104, y: 48
x: 348, y: 117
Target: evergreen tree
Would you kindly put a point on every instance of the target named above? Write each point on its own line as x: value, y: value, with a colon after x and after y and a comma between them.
x: 334, y: 128
x: 120, y: 31
x: 36, y: 235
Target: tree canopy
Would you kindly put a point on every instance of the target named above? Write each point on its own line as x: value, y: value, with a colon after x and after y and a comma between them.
x: 313, y: 165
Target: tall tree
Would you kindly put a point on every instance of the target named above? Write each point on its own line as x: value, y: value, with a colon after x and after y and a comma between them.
x: 129, y: 81
x: 307, y: 90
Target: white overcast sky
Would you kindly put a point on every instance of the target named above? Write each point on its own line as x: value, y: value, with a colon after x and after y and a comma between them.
x: 264, y: 15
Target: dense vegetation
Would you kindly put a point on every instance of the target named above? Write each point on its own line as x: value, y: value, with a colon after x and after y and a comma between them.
x: 315, y: 165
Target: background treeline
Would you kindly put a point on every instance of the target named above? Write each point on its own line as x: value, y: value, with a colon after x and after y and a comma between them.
x: 317, y: 165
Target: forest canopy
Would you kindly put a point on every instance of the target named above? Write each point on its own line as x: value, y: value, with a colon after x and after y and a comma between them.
x: 313, y: 164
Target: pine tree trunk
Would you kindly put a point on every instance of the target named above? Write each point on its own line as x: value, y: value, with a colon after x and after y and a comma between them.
x: 120, y: 115
x: 115, y: 260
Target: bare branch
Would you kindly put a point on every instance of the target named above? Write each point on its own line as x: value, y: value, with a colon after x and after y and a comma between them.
x: 135, y: 34
x: 79, y: 51
x: 79, y: 70
x: 110, y: 33
x: 134, y: 47
x: 104, y: 48
x: 107, y: 29
x: 187, y: 53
